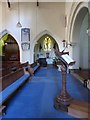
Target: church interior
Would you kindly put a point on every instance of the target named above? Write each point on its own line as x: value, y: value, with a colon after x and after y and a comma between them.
x: 44, y: 59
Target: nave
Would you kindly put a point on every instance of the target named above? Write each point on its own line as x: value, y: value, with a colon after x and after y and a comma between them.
x: 36, y: 98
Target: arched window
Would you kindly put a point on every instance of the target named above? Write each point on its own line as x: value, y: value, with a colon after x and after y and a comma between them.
x: 47, y: 44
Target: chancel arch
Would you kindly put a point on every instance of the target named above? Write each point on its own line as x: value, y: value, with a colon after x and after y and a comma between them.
x: 45, y: 32
x: 44, y: 48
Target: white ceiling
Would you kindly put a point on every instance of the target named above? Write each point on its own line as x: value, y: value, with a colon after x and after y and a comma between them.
x: 45, y: 0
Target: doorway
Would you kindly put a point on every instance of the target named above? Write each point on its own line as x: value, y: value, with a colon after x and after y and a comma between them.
x: 10, y: 49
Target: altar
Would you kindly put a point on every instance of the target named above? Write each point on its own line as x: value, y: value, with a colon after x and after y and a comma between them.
x: 49, y: 60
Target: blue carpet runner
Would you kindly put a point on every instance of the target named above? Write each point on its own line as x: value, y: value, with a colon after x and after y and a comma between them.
x: 36, y: 98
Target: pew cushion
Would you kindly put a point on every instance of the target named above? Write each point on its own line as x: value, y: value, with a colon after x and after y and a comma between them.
x: 5, y: 94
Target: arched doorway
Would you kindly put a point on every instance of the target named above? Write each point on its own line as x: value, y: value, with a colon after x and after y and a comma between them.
x: 9, y: 49
x: 80, y: 37
x: 44, y: 48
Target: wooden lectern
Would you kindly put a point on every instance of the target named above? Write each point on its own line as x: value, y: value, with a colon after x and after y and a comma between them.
x: 63, y: 100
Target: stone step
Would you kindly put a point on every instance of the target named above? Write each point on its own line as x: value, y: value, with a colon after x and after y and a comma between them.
x: 79, y: 109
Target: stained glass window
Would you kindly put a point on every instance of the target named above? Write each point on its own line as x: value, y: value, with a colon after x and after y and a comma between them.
x: 47, y: 44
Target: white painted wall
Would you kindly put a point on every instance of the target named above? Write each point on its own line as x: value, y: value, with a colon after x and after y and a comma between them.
x: 0, y: 16
x: 68, y: 8
x: 48, y: 16
x: 84, y: 44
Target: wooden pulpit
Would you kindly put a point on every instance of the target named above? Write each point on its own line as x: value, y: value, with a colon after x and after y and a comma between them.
x: 63, y: 99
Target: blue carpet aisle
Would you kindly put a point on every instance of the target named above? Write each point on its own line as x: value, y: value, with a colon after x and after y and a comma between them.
x: 36, y: 98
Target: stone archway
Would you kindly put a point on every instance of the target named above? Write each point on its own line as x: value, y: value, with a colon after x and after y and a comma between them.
x: 45, y: 48
x: 80, y: 51
x: 9, y: 48
x: 77, y: 21
x: 37, y: 38
x: 76, y: 7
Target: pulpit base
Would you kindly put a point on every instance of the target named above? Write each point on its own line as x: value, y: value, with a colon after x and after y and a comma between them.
x: 60, y: 106
x: 62, y: 103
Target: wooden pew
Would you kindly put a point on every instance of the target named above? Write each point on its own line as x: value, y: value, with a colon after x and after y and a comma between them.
x: 10, y: 64
x: 24, y: 64
x: 11, y: 78
x: 35, y: 66
x: 10, y: 83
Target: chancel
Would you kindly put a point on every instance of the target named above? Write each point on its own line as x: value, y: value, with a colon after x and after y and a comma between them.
x: 44, y: 59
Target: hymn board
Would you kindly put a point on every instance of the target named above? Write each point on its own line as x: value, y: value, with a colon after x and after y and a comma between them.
x: 63, y: 100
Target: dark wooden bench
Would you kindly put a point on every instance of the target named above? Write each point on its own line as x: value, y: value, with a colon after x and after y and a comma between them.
x: 35, y: 66
x: 8, y: 66
x: 12, y: 80
x: 31, y: 68
x: 12, y: 77
x: 10, y: 83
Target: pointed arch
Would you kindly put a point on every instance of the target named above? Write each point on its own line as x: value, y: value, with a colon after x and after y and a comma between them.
x: 43, y: 33
x: 78, y: 14
x: 10, y: 47
x: 37, y: 38
x: 76, y: 7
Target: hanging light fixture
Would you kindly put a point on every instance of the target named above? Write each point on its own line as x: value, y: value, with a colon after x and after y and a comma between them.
x: 18, y: 23
x: 8, y: 3
x: 37, y: 3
